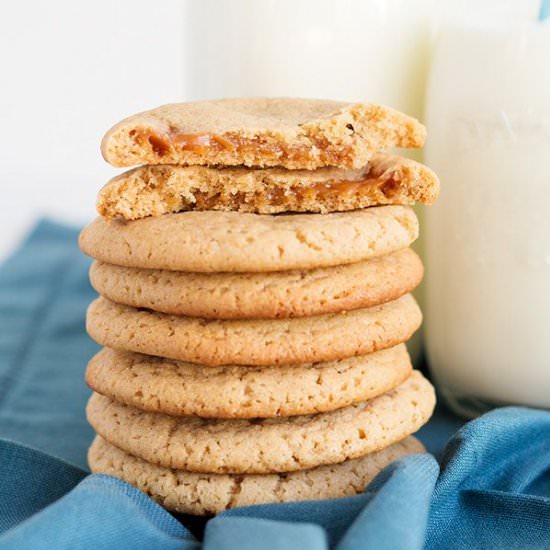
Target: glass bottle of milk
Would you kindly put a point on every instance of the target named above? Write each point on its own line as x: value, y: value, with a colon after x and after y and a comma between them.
x: 487, y: 239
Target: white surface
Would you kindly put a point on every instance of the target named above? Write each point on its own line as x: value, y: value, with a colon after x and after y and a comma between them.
x: 487, y: 301
x: 69, y: 70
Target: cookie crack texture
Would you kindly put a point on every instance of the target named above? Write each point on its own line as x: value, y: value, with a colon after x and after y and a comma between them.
x: 211, y: 241
x: 189, y: 492
x: 267, y: 445
x: 310, y: 244
x: 235, y: 491
x: 254, y: 342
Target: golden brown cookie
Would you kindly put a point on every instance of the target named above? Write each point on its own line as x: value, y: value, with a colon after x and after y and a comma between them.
x: 265, y: 445
x: 207, y: 494
x: 164, y: 189
x: 289, y: 132
x: 255, y: 341
x: 184, y: 389
x: 213, y: 241
x: 261, y: 295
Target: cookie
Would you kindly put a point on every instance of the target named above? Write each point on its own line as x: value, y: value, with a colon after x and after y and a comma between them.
x: 255, y: 341
x: 207, y: 494
x: 213, y: 241
x: 288, y: 132
x: 261, y: 295
x: 184, y: 389
x: 265, y: 445
x: 162, y: 189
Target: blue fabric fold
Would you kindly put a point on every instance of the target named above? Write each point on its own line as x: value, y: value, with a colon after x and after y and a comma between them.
x: 495, y: 483
x: 101, y: 512
x: 489, y: 489
x: 29, y: 481
x: 251, y: 533
x: 44, y: 292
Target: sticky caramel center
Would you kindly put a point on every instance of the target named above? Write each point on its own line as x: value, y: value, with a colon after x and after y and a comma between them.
x: 173, y: 141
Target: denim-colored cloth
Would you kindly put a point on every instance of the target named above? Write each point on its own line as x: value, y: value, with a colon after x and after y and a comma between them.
x: 490, y: 488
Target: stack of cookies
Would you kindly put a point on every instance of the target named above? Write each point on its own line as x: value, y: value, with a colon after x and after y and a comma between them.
x: 255, y: 277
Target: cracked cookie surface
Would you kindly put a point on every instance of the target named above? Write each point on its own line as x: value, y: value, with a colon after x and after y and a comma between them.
x: 254, y: 341
x: 211, y: 241
x: 206, y: 494
x: 275, y: 295
x: 184, y: 389
x: 265, y: 445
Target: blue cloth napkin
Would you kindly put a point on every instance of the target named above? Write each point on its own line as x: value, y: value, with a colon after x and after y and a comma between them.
x: 490, y: 488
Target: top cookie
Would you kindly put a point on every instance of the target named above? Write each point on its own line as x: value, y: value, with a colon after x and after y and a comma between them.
x: 288, y: 132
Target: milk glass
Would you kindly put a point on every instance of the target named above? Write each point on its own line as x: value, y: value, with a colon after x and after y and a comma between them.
x: 487, y: 296
x: 375, y: 50
x: 354, y: 50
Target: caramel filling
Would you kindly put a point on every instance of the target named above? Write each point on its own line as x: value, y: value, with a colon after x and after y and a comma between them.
x: 341, y: 188
x: 388, y: 187
x: 203, y: 144
x: 280, y: 196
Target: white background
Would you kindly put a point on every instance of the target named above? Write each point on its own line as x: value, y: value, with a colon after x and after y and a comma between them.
x: 68, y: 71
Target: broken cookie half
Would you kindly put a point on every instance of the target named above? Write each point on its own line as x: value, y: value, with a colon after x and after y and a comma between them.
x: 161, y: 189
x: 261, y: 132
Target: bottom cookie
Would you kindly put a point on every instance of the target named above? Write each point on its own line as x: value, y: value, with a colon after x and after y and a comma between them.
x: 207, y: 494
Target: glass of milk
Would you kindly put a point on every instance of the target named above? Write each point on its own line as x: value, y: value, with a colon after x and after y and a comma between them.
x: 487, y: 295
x: 374, y: 50
x: 351, y: 50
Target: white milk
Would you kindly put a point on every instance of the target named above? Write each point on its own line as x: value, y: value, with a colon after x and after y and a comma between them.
x: 364, y: 50
x: 375, y: 50
x: 488, y: 237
